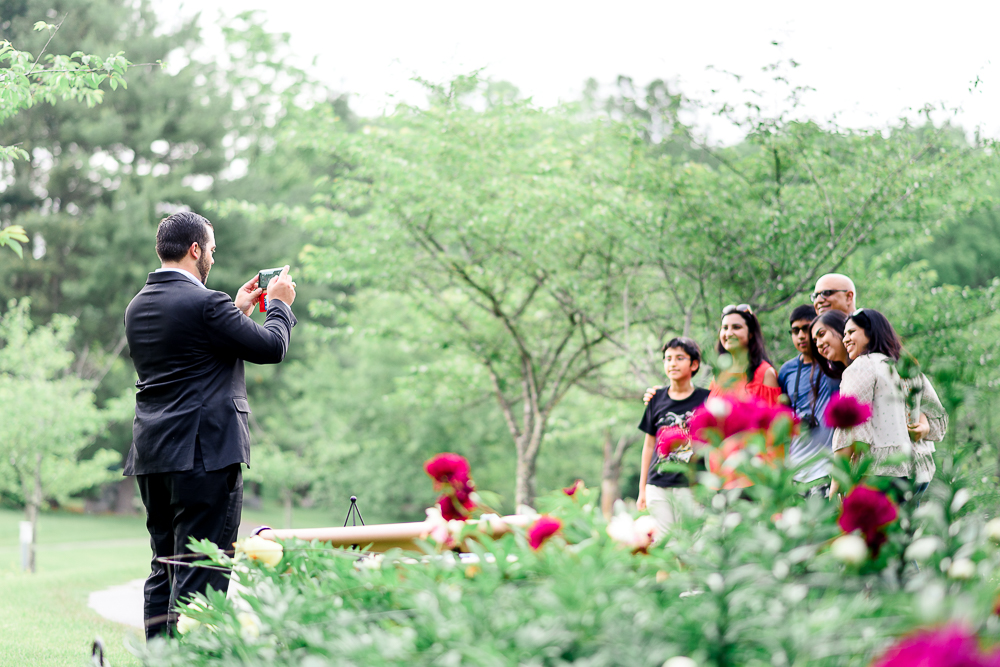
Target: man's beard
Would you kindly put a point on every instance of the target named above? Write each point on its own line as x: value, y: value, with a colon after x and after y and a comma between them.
x: 204, y: 266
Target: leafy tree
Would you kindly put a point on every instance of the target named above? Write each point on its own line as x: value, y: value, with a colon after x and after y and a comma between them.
x: 501, y: 226
x: 48, y: 78
x: 50, y: 416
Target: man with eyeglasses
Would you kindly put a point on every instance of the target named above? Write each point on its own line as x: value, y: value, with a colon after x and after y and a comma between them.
x: 834, y: 291
x: 796, y: 381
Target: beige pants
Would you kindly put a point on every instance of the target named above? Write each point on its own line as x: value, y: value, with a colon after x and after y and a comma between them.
x: 667, y: 506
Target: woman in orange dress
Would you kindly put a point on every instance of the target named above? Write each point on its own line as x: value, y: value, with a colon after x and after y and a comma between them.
x: 750, y: 374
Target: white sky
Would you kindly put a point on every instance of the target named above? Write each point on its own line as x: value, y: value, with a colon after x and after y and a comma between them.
x: 869, y: 61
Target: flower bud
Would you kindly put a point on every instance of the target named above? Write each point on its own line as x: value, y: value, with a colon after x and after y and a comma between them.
x: 922, y: 549
x: 680, y: 661
x: 849, y: 549
x: 962, y: 568
x: 186, y: 624
x: 259, y: 549
x: 249, y: 625
x: 993, y: 529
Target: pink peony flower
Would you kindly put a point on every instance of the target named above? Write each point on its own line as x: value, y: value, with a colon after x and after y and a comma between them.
x: 447, y: 468
x: 846, y: 412
x: 868, y: 510
x: 950, y: 646
x: 571, y: 490
x: 544, y: 528
x: 727, y: 416
x: 668, y: 438
x: 454, y: 508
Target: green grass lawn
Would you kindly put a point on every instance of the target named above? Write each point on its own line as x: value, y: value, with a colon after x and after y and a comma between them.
x: 44, y: 618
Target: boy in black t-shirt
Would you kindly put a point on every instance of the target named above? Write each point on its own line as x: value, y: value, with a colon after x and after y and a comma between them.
x: 666, y: 494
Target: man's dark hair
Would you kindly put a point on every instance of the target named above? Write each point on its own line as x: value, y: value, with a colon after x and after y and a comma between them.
x: 803, y: 312
x: 690, y: 348
x: 756, y: 351
x: 882, y: 337
x: 177, y: 232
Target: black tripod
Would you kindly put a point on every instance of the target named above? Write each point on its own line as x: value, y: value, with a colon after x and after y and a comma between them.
x: 353, y: 513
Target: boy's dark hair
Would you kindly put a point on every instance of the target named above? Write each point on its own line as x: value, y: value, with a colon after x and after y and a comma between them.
x: 882, y: 337
x: 756, y: 352
x: 689, y: 346
x: 177, y: 232
x: 835, y: 320
x: 803, y: 312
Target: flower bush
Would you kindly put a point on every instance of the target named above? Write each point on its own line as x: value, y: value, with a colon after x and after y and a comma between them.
x: 757, y: 576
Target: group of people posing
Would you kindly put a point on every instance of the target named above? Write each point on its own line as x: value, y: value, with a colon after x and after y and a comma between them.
x: 841, y: 349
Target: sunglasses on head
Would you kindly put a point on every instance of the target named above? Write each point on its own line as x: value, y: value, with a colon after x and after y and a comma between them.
x: 826, y: 294
x: 733, y: 308
x: 859, y: 311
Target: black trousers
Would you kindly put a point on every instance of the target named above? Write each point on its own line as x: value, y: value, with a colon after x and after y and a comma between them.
x: 181, y: 505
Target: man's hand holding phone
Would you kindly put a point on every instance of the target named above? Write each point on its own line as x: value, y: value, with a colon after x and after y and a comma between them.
x: 248, y: 296
x: 282, y: 288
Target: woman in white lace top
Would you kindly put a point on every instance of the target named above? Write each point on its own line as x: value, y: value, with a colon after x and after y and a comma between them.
x: 874, y: 347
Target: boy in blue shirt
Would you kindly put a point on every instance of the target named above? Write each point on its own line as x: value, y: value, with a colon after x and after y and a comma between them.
x: 796, y: 379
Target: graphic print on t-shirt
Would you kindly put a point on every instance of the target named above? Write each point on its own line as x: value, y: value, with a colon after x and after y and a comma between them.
x: 681, y: 453
x: 665, y: 412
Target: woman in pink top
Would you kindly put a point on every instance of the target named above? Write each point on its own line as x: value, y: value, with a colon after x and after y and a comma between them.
x: 751, y: 373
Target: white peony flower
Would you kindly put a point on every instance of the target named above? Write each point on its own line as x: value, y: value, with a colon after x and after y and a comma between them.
x: 922, y: 549
x: 962, y: 568
x: 635, y: 533
x: 849, y: 549
x: 259, y: 549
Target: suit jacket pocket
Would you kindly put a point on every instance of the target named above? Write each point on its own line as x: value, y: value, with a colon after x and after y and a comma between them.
x: 242, y: 405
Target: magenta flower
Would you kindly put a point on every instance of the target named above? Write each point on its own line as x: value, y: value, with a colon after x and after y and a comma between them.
x: 727, y: 416
x: 544, y: 528
x: 950, y: 646
x: 455, y: 508
x: 870, y: 511
x: 571, y: 490
x: 447, y: 468
x: 846, y: 412
x: 668, y: 438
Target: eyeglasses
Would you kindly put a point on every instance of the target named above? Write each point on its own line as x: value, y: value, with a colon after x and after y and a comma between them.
x: 742, y: 308
x: 795, y: 331
x: 859, y: 311
x: 826, y: 294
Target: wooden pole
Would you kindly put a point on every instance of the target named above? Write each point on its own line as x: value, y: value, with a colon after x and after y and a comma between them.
x: 382, y: 537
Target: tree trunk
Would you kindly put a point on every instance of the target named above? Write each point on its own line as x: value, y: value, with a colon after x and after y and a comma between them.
x: 125, y: 496
x: 524, y: 480
x: 288, y: 508
x: 34, y: 505
x: 611, y: 473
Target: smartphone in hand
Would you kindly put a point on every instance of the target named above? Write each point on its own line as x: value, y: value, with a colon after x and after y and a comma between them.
x: 264, y: 278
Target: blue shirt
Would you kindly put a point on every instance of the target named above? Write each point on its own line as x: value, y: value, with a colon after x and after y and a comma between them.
x: 795, y: 379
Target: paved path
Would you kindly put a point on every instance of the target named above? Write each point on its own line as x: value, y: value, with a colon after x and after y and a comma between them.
x: 123, y: 603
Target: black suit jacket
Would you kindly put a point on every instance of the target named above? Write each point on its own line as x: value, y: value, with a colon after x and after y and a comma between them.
x: 188, y: 345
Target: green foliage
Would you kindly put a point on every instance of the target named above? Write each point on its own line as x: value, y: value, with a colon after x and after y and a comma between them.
x: 747, y: 581
x: 52, y: 416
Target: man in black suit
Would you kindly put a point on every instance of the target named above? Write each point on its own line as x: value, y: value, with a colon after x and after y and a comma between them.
x: 191, y: 433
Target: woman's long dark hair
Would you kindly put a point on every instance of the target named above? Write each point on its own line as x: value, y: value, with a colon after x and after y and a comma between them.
x: 756, y: 352
x: 835, y: 320
x: 882, y: 337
